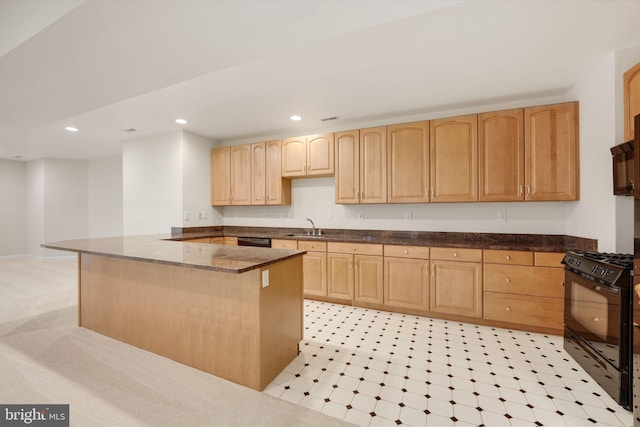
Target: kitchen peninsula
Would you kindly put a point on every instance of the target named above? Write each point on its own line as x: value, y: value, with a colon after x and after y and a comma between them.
x: 235, y: 312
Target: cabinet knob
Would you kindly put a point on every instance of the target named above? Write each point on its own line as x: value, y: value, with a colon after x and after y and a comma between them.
x: 405, y: 251
x: 508, y: 280
x: 596, y: 319
x: 508, y: 308
x: 508, y: 256
x: 455, y: 254
x: 354, y: 249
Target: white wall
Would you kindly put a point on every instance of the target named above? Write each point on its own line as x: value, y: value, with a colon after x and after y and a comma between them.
x: 35, y: 206
x: 105, y: 196
x: 66, y: 201
x: 196, y: 182
x: 164, y: 176
x: 13, y: 208
x: 595, y: 215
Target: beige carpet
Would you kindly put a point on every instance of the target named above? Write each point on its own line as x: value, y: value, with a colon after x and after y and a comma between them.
x: 46, y: 358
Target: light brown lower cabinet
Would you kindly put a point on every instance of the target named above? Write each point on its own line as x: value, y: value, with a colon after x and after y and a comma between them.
x: 314, y: 268
x: 530, y: 294
x: 406, y: 277
x: 456, y: 281
x: 355, y: 272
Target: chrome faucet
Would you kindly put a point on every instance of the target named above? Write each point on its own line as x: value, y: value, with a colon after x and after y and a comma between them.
x: 313, y: 227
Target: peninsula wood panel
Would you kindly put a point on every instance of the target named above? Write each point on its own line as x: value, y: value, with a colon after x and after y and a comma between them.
x: 408, y: 162
x: 551, y: 152
x: 454, y: 159
x: 222, y: 323
x: 501, y: 155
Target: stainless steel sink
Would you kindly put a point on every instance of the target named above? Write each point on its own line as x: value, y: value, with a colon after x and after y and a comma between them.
x: 306, y: 236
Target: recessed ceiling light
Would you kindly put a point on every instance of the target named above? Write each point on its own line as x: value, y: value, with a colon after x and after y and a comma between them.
x: 181, y: 121
x: 71, y: 129
x: 296, y: 118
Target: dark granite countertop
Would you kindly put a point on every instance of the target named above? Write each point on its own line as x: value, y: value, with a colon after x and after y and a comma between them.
x: 160, y: 249
x: 523, y: 242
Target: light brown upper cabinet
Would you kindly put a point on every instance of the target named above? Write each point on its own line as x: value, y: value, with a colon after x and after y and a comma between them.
x: 551, y: 152
x: 258, y: 169
x: 308, y: 156
x: 631, y: 95
x: 501, y: 155
x: 241, y: 174
x: 348, y: 167
x: 267, y: 185
x: 220, y: 176
x: 278, y: 189
x: 231, y: 175
x: 408, y: 162
x: 454, y: 159
x: 373, y: 165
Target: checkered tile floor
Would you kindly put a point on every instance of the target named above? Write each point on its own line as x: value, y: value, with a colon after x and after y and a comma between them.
x: 375, y: 368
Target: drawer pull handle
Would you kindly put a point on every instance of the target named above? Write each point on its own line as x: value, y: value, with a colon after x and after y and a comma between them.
x: 508, y: 256
x: 508, y: 280
x: 596, y: 319
x: 455, y: 254
x: 508, y: 308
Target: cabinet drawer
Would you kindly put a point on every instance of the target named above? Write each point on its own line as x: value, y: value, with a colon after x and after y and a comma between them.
x: 524, y: 280
x: 549, y: 259
x: 284, y: 244
x: 231, y: 240
x: 355, y: 248
x: 419, y: 252
x: 508, y: 257
x: 217, y: 240
x: 305, y: 245
x: 524, y: 310
x: 457, y: 254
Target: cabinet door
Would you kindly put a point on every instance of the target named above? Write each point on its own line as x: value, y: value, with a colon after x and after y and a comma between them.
x: 408, y: 163
x: 631, y: 95
x: 454, y: 159
x: 501, y: 155
x: 406, y: 283
x: 241, y: 174
x: 551, y: 152
x: 340, y: 276
x: 347, y: 165
x: 456, y: 288
x: 320, y: 155
x: 368, y: 279
x: 220, y: 176
x: 258, y: 169
x: 373, y: 165
x: 278, y: 190
x: 294, y: 156
x: 314, y: 271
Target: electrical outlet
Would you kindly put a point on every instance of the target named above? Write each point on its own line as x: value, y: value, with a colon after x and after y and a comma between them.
x: 407, y: 215
x: 266, y: 215
x: 502, y: 216
x: 360, y: 216
x: 187, y: 216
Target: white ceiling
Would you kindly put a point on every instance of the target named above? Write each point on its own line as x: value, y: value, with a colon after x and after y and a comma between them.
x: 239, y: 69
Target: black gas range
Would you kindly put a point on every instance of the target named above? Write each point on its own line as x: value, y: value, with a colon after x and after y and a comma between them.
x: 598, y: 318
